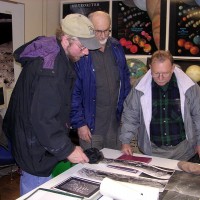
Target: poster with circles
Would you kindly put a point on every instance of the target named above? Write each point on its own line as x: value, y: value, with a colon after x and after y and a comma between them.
x: 184, y: 28
x: 191, y: 67
x: 132, y: 26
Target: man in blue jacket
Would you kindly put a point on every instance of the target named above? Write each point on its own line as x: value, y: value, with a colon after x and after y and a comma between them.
x: 37, y: 118
x: 102, y: 85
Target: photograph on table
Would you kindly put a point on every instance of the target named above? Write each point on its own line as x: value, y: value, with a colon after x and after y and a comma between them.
x: 169, y: 195
x: 99, y: 175
x: 136, y: 26
x: 184, y: 28
x: 185, y: 184
x: 84, y: 8
x: 79, y: 186
x: 147, y: 169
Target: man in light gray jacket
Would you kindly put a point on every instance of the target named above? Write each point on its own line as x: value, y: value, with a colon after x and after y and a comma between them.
x: 163, y: 111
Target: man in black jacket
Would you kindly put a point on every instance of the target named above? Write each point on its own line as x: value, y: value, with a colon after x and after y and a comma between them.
x: 37, y: 120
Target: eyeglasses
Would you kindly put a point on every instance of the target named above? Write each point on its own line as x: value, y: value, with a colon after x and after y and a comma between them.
x: 77, y: 42
x: 81, y: 47
x: 164, y: 74
x: 100, y: 32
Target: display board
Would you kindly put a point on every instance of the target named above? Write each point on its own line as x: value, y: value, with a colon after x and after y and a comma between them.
x: 184, y: 35
x: 84, y: 8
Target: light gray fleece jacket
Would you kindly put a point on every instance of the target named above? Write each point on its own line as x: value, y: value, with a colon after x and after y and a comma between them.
x: 136, y: 116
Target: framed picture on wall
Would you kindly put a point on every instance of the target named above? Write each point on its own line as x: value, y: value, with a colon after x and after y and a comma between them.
x: 191, y: 67
x: 184, y: 28
x: 132, y: 26
x: 6, y: 50
x: 84, y: 8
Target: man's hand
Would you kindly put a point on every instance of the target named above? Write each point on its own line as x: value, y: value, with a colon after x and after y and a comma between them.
x: 77, y: 156
x: 126, y: 149
x: 84, y: 134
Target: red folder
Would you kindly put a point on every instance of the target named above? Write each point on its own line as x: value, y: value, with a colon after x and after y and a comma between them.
x: 135, y: 158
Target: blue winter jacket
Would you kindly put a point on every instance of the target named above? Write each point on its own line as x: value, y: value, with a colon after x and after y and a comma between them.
x: 84, y: 93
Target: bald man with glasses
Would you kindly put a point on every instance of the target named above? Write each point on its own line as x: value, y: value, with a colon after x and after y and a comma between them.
x: 102, y: 85
x: 163, y: 111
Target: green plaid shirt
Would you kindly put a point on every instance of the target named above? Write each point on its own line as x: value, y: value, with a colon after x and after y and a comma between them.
x: 166, y: 127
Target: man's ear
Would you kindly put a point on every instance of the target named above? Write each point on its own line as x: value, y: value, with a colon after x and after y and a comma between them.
x: 65, y: 41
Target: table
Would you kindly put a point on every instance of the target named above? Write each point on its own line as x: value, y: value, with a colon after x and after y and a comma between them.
x: 110, y: 153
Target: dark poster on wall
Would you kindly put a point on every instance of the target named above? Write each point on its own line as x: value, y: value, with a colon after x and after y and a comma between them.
x: 84, y: 8
x: 6, y: 28
x: 6, y: 50
x: 163, y: 17
x: 133, y: 28
x: 184, y: 29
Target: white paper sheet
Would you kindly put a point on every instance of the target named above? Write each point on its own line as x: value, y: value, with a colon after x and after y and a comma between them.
x: 125, y: 191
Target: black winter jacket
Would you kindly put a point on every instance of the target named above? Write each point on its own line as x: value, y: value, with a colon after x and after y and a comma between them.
x: 37, y: 118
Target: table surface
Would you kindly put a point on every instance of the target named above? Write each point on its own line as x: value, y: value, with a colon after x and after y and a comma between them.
x: 108, y: 153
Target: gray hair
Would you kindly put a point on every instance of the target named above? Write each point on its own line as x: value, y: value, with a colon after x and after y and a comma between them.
x: 161, y: 56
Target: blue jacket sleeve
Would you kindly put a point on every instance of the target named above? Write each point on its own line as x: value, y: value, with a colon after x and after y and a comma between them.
x: 77, y: 109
